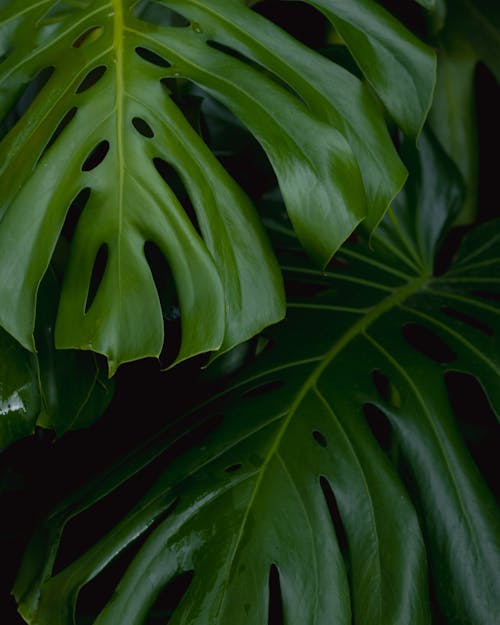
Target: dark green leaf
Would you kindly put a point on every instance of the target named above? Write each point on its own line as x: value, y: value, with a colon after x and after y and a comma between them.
x: 453, y: 114
x: 19, y: 391
x: 478, y: 23
x: 467, y: 33
x: 331, y: 469
x: 59, y: 390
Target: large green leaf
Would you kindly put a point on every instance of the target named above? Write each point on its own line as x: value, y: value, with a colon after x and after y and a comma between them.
x: 245, y: 501
x: 60, y: 390
x: 104, y: 71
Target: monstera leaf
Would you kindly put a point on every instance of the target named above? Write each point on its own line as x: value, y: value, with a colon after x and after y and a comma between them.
x: 329, y: 478
x: 60, y: 390
x: 104, y: 158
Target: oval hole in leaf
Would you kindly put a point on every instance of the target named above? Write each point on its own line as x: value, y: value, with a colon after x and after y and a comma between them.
x: 151, y: 57
x: 169, y: 599
x: 468, y: 319
x: 92, y: 78
x: 338, y: 262
x: 490, y: 295
x: 100, y: 262
x: 177, y: 186
x: 262, y: 389
x: 74, y: 212
x: 93, y: 597
x: 28, y: 95
x: 275, y: 612
x: 379, y: 425
x: 143, y: 128
x: 386, y: 389
x: 381, y: 383
x: 233, y: 467
x: 159, y: 15
x: 303, y: 288
x: 96, y: 157
x: 333, y: 510
x: 319, y: 438
x: 90, y: 35
x: 428, y: 343
x: 68, y: 117
x: 169, y: 301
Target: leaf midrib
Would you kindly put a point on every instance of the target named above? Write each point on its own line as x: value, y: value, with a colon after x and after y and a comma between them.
x: 394, y: 300
x: 118, y: 33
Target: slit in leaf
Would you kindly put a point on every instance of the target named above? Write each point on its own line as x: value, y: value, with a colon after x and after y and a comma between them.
x: 96, y: 157
x: 490, y: 295
x: 90, y: 525
x: 380, y: 426
x: 319, y: 438
x: 92, y: 78
x: 232, y: 52
x: 24, y: 101
x: 74, y: 212
x: 100, y: 262
x: 468, y: 319
x: 169, y: 301
x: 304, y: 288
x: 382, y: 384
x: 151, y: 57
x: 386, y: 389
x: 90, y: 35
x: 233, y: 467
x: 142, y: 127
x: 275, y: 612
x: 160, y: 15
x: 177, y: 186
x: 263, y: 389
x: 68, y: 117
x: 338, y: 262
x: 333, y: 509
x: 428, y: 343
x: 169, y: 599
x: 477, y: 422
x: 94, y: 595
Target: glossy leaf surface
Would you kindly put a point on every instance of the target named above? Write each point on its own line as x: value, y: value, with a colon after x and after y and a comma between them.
x: 104, y: 134
x: 296, y: 493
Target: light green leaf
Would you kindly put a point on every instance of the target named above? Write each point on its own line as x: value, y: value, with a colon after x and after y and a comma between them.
x: 284, y: 491
x: 104, y: 71
x: 399, y: 67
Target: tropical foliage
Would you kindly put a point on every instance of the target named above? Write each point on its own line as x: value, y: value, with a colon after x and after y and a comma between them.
x: 318, y: 472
